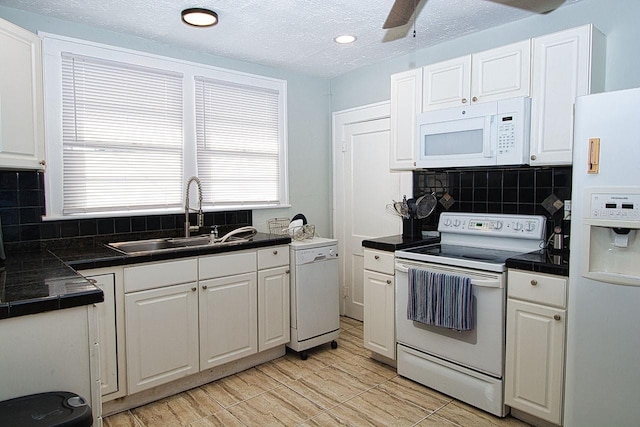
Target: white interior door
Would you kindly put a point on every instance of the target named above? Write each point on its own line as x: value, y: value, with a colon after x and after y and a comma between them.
x: 363, y: 186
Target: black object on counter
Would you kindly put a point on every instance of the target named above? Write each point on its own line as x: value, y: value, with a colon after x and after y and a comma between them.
x: 411, y: 227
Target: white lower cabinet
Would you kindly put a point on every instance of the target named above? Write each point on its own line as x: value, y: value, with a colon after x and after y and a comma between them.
x: 106, y: 313
x: 535, y: 342
x: 162, y: 335
x: 228, y: 324
x: 379, y: 303
x: 189, y: 315
x: 273, y: 307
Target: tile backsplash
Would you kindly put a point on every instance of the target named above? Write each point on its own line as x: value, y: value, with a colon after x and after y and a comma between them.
x: 22, y: 207
x: 521, y: 190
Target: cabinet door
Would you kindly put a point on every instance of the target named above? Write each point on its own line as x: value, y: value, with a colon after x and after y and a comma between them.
x: 447, y: 84
x: 561, y: 72
x: 162, y: 335
x: 273, y: 307
x: 21, y: 99
x: 406, y: 103
x: 228, y: 319
x: 535, y: 359
x: 501, y: 73
x: 379, y: 303
x: 106, y: 313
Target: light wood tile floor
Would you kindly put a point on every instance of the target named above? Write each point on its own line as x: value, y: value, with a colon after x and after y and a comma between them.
x: 341, y: 387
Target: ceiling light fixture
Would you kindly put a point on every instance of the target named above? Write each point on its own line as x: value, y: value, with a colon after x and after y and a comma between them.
x: 346, y: 39
x: 199, y: 17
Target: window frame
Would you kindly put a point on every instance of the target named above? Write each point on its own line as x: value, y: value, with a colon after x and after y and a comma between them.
x: 54, y: 45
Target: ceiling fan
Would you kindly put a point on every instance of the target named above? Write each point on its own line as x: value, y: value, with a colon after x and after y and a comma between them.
x: 402, y: 10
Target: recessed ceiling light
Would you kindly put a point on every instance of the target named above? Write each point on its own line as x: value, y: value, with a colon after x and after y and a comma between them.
x: 199, y: 17
x: 345, y: 39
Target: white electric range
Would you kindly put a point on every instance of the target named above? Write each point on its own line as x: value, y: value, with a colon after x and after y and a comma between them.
x: 467, y: 365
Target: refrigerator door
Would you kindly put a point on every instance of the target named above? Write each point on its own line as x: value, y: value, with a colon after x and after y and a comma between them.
x: 603, y: 342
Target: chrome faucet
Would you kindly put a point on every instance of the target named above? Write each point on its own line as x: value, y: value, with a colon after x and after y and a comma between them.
x: 188, y: 228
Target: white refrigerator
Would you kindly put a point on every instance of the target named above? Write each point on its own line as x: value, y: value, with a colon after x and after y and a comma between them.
x: 603, y: 329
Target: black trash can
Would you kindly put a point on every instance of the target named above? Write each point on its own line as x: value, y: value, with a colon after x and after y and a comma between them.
x: 52, y: 409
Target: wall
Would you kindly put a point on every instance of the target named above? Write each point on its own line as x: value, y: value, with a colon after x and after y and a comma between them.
x: 309, y: 115
x: 617, y: 19
x: 522, y: 191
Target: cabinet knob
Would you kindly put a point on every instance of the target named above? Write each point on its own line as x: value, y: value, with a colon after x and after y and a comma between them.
x: 376, y: 256
x: 275, y: 252
x: 288, y: 271
x: 556, y: 317
x: 474, y: 99
x: 388, y: 281
x: 193, y: 289
x: 534, y: 282
x: 93, y: 281
x: 533, y: 157
x: 204, y: 287
x: 464, y: 100
x: 42, y: 162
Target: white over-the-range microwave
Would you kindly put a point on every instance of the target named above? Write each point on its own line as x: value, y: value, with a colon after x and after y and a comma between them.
x: 487, y: 134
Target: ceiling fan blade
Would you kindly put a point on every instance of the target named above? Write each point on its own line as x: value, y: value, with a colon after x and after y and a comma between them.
x: 540, y: 6
x: 400, y: 13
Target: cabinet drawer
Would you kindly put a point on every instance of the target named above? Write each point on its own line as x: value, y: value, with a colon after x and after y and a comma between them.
x: 537, y: 287
x: 213, y: 266
x: 155, y: 275
x: 273, y: 257
x: 380, y: 261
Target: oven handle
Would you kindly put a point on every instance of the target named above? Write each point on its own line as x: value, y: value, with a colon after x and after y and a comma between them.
x: 491, y: 281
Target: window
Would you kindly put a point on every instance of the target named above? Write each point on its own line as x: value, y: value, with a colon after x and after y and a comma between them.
x: 125, y: 130
x: 121, y: 136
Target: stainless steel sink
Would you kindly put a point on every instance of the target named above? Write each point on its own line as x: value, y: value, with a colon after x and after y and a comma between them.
x: 141, y: 247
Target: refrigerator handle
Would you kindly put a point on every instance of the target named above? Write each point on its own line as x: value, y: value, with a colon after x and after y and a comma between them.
x: 594, y: 155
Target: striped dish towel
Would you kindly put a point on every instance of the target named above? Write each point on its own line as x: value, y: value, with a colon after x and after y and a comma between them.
x: 440, y: 299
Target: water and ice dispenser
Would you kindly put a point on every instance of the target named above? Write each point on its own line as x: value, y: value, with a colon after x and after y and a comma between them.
x: 611, y: 227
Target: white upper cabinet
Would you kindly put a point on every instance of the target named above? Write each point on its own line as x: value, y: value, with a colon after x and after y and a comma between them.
x: 500, y: 73
x: 406, y: 103
x: 21, y: 99
x: 447, y: 84
x: 566, y: 64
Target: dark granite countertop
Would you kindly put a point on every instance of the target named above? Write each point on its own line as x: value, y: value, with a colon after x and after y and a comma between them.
x: 38, y: 281
x: 42, y: 279
x: 395, y: 243
x: 542, y: 261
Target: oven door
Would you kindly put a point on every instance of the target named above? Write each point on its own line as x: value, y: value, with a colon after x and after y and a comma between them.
x: 481, y: 348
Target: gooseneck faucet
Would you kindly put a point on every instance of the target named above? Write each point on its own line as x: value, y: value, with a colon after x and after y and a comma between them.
x: 188, y: 228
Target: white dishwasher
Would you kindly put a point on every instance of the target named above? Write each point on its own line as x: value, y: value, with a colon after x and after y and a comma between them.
x: 315, y: 294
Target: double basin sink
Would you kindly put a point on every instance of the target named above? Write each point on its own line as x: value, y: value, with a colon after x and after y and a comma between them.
x: 143, y: 247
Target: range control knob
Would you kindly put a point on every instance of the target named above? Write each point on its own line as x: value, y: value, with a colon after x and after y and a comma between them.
x: 456, y: 223
x: 498, y: 225
x: 531, y: 226
x: 332, y: 252
x: 447, y: 222
x: 517, y: 226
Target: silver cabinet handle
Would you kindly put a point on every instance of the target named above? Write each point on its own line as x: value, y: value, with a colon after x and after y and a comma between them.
x: 556, y: 317
x: 464, y: 100
x: 533, y: 157
x: 474, y: 99
x: 204, y: 287
x: 275, y: 252
x: 376, y: 257
x: 193, y: 289
x: 388, y: 282
x: 534, y: 282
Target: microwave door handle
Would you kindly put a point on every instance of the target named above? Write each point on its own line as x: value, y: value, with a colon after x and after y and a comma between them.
x: 489, y: 132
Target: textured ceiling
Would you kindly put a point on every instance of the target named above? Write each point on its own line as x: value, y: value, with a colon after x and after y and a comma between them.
x: 295, y: 35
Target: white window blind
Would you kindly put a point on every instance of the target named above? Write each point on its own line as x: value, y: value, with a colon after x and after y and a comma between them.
x: 122, y: 132
x: 238, y: 143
